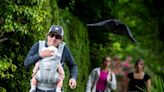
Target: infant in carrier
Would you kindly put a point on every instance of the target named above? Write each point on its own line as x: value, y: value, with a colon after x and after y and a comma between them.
x: 48, y: 72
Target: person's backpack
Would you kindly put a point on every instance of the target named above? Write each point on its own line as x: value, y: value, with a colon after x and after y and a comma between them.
x: 47, y: 72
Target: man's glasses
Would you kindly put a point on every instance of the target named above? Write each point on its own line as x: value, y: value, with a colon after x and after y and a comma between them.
x: 56, y: 36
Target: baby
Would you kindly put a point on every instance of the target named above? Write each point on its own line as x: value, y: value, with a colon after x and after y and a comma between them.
x: 50, y: 68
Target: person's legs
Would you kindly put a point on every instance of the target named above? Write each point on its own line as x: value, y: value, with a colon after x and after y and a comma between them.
x: 61, y: 78
x: 59, y: 85
x: 33, y: 80
x: 33, y: 85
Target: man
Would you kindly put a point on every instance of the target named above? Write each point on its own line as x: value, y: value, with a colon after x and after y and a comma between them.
x: 54, y: 38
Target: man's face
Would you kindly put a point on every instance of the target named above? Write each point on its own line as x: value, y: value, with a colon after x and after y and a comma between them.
x: 53, y: 39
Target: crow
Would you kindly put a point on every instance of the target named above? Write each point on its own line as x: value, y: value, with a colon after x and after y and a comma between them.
x: 116, y: 27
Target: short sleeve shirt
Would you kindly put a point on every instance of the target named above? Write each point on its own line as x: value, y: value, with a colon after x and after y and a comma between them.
x: 137, y: 85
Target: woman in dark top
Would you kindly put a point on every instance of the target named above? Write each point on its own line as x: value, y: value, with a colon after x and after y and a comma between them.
x: 139, y: 81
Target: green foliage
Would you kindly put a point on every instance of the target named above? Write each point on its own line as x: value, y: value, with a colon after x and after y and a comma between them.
x: 7, y: 70
x: 93, y: 10
x: 157, y: 84
x: 22, y: 23
x: 3, y: 90
x: 145, y: 29
x: 76, y: 37
x: 5, y: 65
x: 21, y: 17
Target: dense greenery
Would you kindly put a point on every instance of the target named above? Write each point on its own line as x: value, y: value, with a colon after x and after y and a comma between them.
x: 23, y: 22
x: 144, y: 18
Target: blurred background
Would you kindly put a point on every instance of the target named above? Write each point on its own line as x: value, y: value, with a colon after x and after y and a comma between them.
x: 23, y: 22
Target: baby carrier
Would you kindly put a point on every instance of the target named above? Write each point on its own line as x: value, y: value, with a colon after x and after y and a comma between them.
x: 47, y: 74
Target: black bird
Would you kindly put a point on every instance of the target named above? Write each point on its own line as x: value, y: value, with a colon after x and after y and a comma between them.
x: 116, y: 27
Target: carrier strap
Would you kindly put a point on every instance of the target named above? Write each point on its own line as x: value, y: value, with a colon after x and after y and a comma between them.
x: 60, y: 51
x: 41, y: 46
x: 60, y: 48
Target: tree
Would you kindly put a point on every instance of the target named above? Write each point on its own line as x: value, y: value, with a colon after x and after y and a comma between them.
x: 21, y: 23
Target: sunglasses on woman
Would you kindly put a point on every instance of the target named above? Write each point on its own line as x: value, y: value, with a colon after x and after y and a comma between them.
x: 56, y: 36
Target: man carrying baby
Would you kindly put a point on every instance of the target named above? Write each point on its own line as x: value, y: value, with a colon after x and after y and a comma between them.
x: 54, y: 38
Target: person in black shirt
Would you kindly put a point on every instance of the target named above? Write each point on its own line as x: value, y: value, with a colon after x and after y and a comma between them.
x: 139, y: 81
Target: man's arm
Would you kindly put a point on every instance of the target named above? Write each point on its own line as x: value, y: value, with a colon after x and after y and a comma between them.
x: 73, y: 69
x: 67, y: 56
x: 32, y: 56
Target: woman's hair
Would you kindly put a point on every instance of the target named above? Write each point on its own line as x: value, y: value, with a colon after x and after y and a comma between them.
x: 137, y: 61
x: 106, y: 58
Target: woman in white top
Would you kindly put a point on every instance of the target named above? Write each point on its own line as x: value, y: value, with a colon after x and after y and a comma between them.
x: 102, y: 79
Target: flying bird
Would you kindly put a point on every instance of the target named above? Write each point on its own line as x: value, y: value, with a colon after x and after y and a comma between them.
x: 116, y: 27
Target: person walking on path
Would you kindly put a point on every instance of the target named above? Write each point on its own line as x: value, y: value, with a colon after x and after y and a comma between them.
x: 49, y: 69
x: 54, y: 38
x: 139, y: 81
x: 102, y: 79
x: 118, y: 70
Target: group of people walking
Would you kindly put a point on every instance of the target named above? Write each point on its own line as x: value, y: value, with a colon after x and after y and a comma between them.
x: 50, y: 55
x: 112, y: 75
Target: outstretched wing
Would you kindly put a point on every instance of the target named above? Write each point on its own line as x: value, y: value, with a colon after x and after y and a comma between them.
x: 116, y: 27
x: 102, y: 23
x: 129, y: 34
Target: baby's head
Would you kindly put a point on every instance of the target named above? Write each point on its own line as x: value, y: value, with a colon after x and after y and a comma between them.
x: 52, y: 48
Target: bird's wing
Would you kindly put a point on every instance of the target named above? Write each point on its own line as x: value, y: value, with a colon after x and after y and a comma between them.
x: 116, y: 27
x: 130, y: 34
x: 123, y: 29
x: 102, y: 23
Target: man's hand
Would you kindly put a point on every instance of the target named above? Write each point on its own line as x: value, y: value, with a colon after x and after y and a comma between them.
x: 46, y: 53
x: 72, y: 83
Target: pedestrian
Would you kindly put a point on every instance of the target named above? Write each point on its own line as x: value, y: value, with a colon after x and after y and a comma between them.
x: 126, y: 67
x: 118, y: 71
x: 102, y: 79
x: 49, y: 70
x: 139, y: 81
x: 54, y: 38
